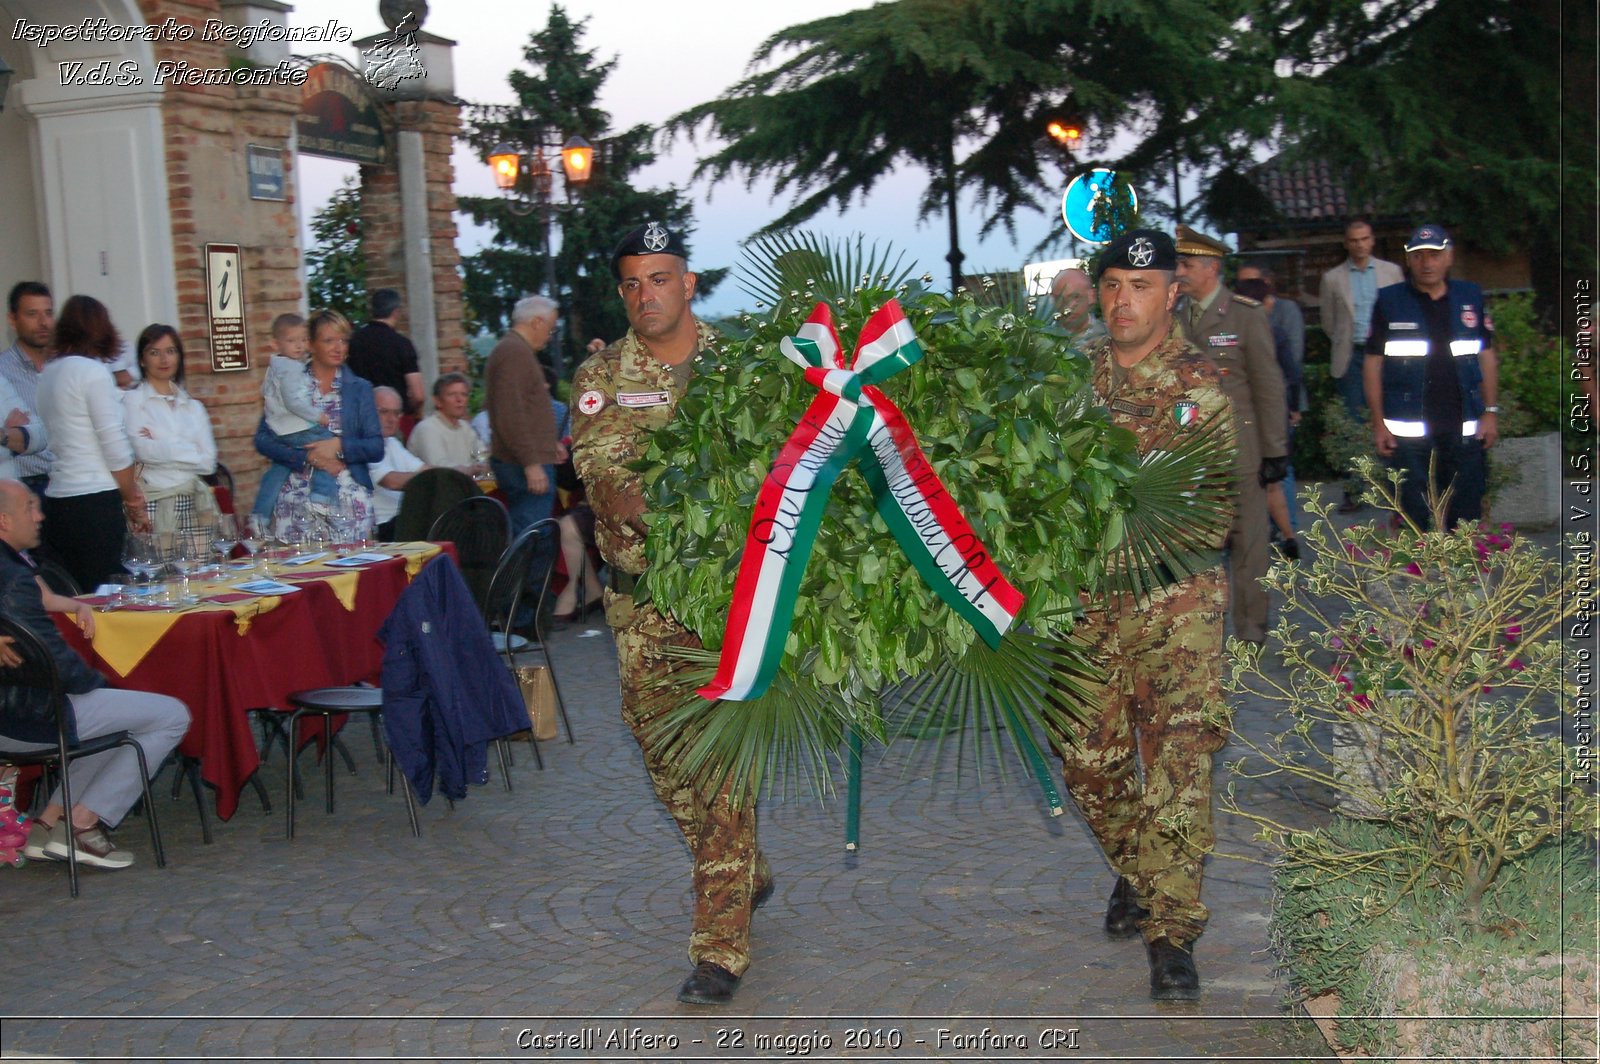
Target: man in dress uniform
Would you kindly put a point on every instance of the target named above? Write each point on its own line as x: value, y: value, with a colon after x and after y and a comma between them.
x: 1235, y: 334
x: 1139, y: 768
x: 1433, y: 381
x: 624, y: 393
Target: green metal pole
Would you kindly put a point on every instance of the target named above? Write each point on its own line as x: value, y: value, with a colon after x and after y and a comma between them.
x: 852, y: 816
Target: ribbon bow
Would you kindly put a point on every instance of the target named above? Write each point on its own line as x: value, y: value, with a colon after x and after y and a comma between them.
x: 850, y: 416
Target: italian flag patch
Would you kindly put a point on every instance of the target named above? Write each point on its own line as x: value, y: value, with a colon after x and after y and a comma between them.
x: 1185, y: 412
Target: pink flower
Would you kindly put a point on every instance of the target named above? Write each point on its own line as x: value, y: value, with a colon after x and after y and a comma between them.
x: 1515, y: 665
x: 1361, y: 701
x: 1513, y: 633
x: 1336, y: 643
x: 1427, y: 644
x: 1414, y: 569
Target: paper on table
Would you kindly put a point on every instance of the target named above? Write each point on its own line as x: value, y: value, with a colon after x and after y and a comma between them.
x: 267, y: 587
x: 302, y: 559
x: 360, y: 559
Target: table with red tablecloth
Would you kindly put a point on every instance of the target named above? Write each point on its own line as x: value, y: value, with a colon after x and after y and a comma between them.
x: 222, y: 664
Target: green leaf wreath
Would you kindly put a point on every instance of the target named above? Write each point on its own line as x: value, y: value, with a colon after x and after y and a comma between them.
x: 1003, y: 409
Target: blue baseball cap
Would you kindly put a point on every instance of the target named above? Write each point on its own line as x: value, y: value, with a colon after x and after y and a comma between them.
x: 1428, y: 238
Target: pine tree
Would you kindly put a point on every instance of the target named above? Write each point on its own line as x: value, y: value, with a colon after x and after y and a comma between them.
x: 336, y: 272
x: 555, y: 99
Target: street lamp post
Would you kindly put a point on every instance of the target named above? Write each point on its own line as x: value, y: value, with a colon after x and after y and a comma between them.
x: 525, y: 175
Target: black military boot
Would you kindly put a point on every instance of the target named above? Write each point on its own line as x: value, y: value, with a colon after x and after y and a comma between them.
x: 1123, y: 911
x: 708, y: 984
x: 1173, y: 976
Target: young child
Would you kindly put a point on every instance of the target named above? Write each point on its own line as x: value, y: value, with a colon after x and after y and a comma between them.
x: 291, y: 415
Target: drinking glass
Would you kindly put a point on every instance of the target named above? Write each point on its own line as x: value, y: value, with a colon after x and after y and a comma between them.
x: 254, y: 534
x: 188, y: 555
x: 224, y: 537
x: 141, y: 557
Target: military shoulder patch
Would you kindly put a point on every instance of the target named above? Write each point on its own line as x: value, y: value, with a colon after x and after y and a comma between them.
x: 591, y: 402
x: 639, y: 399
x: 1184, y: 412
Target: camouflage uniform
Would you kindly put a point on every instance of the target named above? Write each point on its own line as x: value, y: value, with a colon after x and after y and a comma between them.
x: 606, y: 437
x: 1141, y: 769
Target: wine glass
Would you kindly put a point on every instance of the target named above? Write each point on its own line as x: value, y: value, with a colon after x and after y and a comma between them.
x: 141, y: 557
x: 224, y: 537
x: 188, y: 555
x: 254, y: 534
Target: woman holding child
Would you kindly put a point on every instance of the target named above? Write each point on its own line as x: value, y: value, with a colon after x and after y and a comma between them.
x: 171, y: 436
x: 353, y: 437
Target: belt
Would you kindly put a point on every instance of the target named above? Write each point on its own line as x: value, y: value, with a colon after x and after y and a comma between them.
x: 623, y: 583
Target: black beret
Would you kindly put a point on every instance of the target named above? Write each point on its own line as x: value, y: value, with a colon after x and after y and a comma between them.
x: 651, y: 238
x: 1138, y: 249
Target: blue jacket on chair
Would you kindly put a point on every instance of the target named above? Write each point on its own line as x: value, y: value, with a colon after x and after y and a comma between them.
x: 446, y: 693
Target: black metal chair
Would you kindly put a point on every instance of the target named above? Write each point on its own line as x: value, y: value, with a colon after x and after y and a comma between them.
x: 327, y: 703
x: 38, y: 671
x: 57, y: 579
x: 480, y: 528
x: 537, y: 546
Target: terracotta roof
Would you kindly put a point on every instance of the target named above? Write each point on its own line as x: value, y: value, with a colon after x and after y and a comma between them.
x: 1306, y: 191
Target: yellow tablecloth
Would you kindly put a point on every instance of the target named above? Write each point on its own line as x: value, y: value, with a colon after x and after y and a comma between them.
x: 123, y: 637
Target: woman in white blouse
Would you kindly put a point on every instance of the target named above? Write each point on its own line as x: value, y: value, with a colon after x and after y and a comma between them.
x: 170, y: 432
x: 93, y: 497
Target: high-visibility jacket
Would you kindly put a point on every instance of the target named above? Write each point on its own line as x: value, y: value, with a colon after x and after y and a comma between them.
x: 1406, y: 344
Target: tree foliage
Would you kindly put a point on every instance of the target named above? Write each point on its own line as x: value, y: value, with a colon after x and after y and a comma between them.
x: 1454, y: 110
x: 557, y: 97
x: 336, y: 272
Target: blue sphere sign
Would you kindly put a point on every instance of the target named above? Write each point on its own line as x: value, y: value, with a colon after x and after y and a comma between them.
x: 1078, y: 204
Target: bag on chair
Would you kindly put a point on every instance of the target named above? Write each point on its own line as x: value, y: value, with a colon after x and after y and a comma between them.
x: 540, y: 695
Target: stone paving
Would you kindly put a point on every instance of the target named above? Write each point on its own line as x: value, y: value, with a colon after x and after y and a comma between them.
x: 551, y: 922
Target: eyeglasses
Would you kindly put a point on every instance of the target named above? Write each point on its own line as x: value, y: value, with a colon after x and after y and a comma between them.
x: 386, y: 412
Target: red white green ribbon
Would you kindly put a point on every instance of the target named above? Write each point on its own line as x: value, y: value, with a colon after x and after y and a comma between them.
x: 850, y: 416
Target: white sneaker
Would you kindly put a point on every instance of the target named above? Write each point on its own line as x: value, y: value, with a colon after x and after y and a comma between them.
x: 94, y: 846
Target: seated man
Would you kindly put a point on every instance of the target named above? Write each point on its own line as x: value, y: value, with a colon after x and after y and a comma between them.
x: 105, y: 785
x: 395, y: 468
x: 446, y: 437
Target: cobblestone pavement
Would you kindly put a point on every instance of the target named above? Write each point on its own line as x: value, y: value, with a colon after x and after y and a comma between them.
x: 552, y: 921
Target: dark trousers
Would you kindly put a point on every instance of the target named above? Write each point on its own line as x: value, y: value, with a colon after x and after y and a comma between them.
x: 1459, y: 465
x: 85, y: 532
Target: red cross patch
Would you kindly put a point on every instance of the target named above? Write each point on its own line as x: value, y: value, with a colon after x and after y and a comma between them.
x: 591, y: 402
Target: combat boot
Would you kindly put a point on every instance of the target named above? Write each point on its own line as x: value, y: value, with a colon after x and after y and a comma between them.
x: 708, y: 984
x: 1123, y: 911
x: 1173, y: 976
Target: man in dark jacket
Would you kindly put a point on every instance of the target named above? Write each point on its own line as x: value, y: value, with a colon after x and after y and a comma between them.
x: 105, y: 785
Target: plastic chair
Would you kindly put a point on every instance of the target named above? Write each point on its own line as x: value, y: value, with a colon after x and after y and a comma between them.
x: 38, y: 671
x: 538, y: 543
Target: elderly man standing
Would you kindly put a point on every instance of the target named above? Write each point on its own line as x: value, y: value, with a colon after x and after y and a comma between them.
x: 1139, y: 767
x: 1074, y: 298
x: 625, y: 392
x: 1234, y: 333
x: 523, y: 447
x: 105, y: 785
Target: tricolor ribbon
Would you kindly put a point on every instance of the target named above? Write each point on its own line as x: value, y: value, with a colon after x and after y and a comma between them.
x: 850, y: 416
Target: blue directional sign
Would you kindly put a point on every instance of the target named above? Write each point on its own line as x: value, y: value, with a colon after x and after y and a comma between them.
x: 1078, y: 204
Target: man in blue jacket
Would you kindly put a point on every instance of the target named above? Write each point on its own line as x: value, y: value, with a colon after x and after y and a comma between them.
x: 1432, y: 382
x: 106, y: 785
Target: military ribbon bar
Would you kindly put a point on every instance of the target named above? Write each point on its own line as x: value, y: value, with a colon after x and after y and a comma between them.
x: 850, y: 416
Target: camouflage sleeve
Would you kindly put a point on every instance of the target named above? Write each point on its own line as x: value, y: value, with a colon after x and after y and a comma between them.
x: 605, y: 441
x: 1202, y: 386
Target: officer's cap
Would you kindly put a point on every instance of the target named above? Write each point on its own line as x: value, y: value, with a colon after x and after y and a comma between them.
x: 1428, y: 238
x: 1195, y: 243
x: 651, y: 238
x: 1137, y: 249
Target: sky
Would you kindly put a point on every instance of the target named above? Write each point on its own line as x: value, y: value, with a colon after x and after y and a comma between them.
x: 669, y: 58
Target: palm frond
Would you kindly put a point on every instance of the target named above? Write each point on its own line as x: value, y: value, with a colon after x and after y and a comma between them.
x: 1033, y: 683
x: 788, y: 734
x: 1180, y: 504
x: 804, y: 265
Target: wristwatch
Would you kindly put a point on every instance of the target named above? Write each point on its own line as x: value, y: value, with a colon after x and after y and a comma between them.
x: 1491, y: 410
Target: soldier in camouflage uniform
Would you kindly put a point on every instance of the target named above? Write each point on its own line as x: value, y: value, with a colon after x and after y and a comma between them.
x: 1140, y: 769
x: 625, y: 392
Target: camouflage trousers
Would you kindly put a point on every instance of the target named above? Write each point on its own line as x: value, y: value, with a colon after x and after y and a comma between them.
x: 729, y: 868
x: 1140, y: 771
